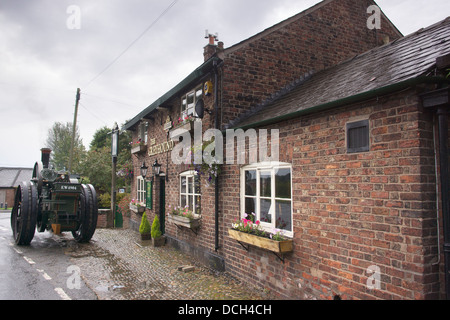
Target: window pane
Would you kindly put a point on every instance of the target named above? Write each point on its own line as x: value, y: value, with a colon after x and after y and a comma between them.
x: 197, y: 185
x: 190, y: 99
x: 265, y: 184
x: 183, y: 184
x: 265, y: 211
x: 250, y: 205
x: 183, y: 104
x: 283, y: 212
x: 190, y: 185
x: 191, y: 202
x: 198, y: 94
x: 250, y: 183
x: 183, y: 201
x: 283, y: 183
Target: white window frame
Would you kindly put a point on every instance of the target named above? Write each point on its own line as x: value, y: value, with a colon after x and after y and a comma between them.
x: 191, y: 175
x: 189, y: 110
x: 143, y: 132
x: 265, y: 167
x: 141, y: 191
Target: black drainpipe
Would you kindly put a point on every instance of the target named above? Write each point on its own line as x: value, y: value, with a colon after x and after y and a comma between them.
x: 216, y: 182
x: 439, y: 100
x: 442, y: 114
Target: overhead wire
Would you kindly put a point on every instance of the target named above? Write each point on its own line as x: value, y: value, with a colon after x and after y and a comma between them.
x: 132, y: 43
x: 93, y: 114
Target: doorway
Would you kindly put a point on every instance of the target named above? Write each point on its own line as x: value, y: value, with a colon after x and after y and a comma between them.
x: 162, y: 204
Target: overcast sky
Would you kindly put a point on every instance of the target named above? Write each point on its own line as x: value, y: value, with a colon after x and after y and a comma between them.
x: 43, y: 60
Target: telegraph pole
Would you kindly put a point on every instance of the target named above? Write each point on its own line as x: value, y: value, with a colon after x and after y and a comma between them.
x: 74, y: 129
x: 114, y: 155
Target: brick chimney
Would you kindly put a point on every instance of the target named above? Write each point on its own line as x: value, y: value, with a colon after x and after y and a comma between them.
x: 211, y: 48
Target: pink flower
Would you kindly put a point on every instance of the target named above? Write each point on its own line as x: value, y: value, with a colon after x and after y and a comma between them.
x: 257, y: 222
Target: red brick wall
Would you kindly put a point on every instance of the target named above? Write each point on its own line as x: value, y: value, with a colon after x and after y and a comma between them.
x: 205, y: 237
x: 266, y: 63
x: 351, y: 211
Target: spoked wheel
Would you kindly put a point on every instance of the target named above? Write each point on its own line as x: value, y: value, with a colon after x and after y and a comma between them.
x: 24, y: 213
x: 88, y: 211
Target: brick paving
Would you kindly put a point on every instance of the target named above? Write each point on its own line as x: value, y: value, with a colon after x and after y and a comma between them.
x: 117, y: 267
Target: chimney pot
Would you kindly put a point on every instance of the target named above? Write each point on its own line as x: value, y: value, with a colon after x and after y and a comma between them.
x: 45, y: 157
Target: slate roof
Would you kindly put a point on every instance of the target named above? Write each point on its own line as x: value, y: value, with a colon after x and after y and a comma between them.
x: 11, y: 177
x: 398, y: 62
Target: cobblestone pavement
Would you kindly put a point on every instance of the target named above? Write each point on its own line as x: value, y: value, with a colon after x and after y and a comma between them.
x: 117, y: 267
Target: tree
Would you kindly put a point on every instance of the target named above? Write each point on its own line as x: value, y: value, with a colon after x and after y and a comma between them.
x: 60, y: 140
x: 97, y: 167
x: 102, y: 139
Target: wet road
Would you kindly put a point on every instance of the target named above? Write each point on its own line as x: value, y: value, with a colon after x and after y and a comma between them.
x: 40, y: 271
x: 115, y: 265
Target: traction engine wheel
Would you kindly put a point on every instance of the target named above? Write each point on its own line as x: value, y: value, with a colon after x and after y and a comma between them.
x: 88, y: 210
x: 24, y: 213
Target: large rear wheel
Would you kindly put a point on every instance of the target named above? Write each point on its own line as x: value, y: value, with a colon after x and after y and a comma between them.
x: 24, y: 213
x: 88, y: 211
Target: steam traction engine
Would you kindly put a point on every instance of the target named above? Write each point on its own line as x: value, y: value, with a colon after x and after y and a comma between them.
x: 53, y: 201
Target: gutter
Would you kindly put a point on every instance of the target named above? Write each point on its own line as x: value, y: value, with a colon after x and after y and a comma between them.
x: 346, y: 101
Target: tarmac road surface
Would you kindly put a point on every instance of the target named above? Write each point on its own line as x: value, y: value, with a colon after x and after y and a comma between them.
x: 40, y: 271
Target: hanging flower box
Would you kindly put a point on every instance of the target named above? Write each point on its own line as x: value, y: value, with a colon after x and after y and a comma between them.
x: 139, y: 148
x: 280, y: 247
x: 189, y: 126
x: 184, y: 222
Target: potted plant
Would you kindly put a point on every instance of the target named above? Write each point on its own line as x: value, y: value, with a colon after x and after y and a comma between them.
x: 158, y: 239
x: 145, y: 229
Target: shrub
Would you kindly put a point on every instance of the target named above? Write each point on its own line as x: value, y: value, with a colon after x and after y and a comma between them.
x: 124, y: 204
x: 104, y: 201
x: 144, y: 228
x: 156, y: 228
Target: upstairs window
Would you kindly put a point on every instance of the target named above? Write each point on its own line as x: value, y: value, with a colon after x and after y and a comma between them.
x: 143, y: 132
x: 358, y: 136
x: 188, y: 102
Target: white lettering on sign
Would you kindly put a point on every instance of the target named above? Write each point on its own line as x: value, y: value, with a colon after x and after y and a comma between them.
x: 70, y: 188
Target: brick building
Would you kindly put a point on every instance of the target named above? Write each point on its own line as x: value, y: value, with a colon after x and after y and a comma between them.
x: 355, y: 189
x: 9, y: 180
